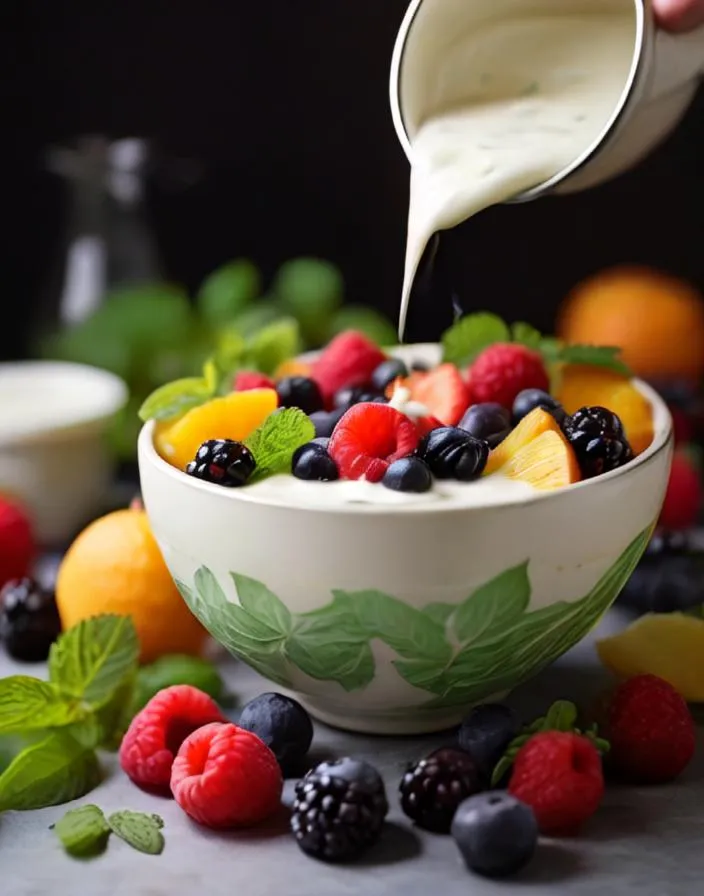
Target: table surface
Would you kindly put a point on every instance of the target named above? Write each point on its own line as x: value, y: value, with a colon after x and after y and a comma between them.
x: 642, y: 840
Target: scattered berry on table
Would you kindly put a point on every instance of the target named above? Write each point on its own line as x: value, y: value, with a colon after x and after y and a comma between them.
x: 408, y: 474
x: 223, y: 462
x: 284, y: 726
x: 442, y: 391
x: 29, y: 620
x: 496, y: 834
x: 486, y: 732
x: 300, y: 392
x: 503, y: 370
x: 650, y: 729
x: 370, y: 437
x: 349, y: 359
x: 17, y: 545
x: 245, y: 380
x: 156, y: 733
x: 559, y: 775
x: 326, y: 421
x: 387, y: 372
x: 489, y: 421
x: 683, y: 498
x: 668, y: 578
x: 339, y: 809
x: 598, y: 440
x: 226, y: 777
x: 452, y: 453
x: 433, y: 788
x: 529, y: 399
x: 313, y: 463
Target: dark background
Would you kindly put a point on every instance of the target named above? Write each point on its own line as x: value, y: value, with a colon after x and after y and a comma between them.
x: 286, y: 102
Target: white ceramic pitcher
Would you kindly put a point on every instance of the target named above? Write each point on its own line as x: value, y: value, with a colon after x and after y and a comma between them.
x: 661, y: 84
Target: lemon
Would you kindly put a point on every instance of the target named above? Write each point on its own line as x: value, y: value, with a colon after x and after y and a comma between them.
x: 669, y: 645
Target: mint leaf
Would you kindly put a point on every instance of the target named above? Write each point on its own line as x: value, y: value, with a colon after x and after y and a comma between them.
x: 227, y: 291
x: 494, y: 606
x: 525, y: 334
x: 140, y: 830
x: 606, y: 356
x: 27, y: 704
x: 256, y: 600
x: 52, y: 771
x: 277, y: 439
x: 439, y: 612
x: 277, y: 342
x: 90, y: 661
x: 175, y: 398
x: 471, y: 335
x: 177, y: 669
x: 83, y: 831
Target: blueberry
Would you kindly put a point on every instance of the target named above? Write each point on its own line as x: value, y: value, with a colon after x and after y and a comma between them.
x: 299, y: 392
x: 387, y: 372
x: 489, y: 421
x: 284, y: 726
x: 486, y: 732
x: 495, y: 833
x: 530, y: 399
x: 668, y: 578
x: 29, y: 620
x: 325, y: 421
x: 452, y: 453
x: 312, y: 462
x: 409, y: 474
x: 347, y: 396
x: 420, y: 367
x: 323, y: 441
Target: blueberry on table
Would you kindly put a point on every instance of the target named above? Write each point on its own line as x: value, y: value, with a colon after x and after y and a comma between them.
x: 387, y: 372
x: 29, y: 620
x: 486, y: 732
x: 313, y: 463
x: 325, y: 421
x: 222, y: 462
x: 530, y: 399
x: 300, y: 392
x: 488, y: 421
x: 496, y: 834
x: 409, y: 474
x: 452, y: 453
x: 433, y: 788
x: 284, y: 726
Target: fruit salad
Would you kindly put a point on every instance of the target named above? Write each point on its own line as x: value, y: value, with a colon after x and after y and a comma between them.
x: 504, y: 411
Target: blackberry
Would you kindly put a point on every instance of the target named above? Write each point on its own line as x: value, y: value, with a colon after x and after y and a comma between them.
x: 432, y: 789
x: 599, y: 442
x: 339, y: 809
x: 452, y: 453
x: 29, y: 620
x: 669, y: 577
x: 223, y: 462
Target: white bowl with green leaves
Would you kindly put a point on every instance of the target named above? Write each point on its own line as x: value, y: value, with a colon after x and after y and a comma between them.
x: 394, y: 619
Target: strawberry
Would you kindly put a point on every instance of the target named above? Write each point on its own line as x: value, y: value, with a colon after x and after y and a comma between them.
x: 442, y: 391
x: 683, y: 498
x: 370, y: 437
x: 503, y: 370
x: 17, y: 546
x: 348, y: 360
x: 244, y: 380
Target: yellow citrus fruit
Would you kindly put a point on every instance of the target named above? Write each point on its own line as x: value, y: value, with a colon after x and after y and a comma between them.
x: 669, y: 645
x: 115, y: 566
x: 234, y: 416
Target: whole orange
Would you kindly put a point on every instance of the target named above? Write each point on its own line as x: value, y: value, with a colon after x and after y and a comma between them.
x: 115, y: 566
x: 656, y: 319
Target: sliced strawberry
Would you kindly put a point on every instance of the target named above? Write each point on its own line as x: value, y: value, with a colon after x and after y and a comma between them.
x: 442, y: 390
x: 348, y: 360
x: 368, y: 438
x: 251, y: 379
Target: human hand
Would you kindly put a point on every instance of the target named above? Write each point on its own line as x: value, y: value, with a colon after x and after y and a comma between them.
x: 679, y: 15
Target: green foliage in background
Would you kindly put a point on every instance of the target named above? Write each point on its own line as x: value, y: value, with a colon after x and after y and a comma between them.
x: 155, y: 333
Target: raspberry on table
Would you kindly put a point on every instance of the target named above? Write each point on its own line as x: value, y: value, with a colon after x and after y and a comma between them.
x: 559, y: 775
x: 226, y: 777
x: 432, y: 789
x: 156, y: 733
x: 349, y: 359
x: 369, y: 438
x: 503, y: 370
x: 650, y: 729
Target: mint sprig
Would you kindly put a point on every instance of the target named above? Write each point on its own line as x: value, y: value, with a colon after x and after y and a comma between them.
x: 275, y: 442
x: 84, y: 831
x: 561, y: 716
x: 471, y: 334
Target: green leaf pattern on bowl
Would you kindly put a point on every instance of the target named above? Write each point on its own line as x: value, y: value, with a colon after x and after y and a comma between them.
x: 458, y: 653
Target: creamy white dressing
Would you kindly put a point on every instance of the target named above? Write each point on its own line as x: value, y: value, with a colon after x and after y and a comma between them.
x: 503, y: 106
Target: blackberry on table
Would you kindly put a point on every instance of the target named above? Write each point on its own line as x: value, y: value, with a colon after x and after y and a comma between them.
x: 598, y: 439
x: 222, y: 462
x: 669, y: 577
x: 339, y: 809
x: 432, y: 789
x: 29, y: 620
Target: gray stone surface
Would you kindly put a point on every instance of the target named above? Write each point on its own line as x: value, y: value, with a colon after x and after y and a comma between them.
x: 645, y: 841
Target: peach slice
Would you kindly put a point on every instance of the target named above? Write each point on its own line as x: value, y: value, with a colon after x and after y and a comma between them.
x: 530, y: 427
x: 546, y: 462
x: 233, y: 416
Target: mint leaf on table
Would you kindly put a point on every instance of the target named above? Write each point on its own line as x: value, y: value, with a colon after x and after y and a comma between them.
x: 472, y: 334
x: 140, y: 830
x: 83, y: 831
x: 274, y: 443
x: 28, y: 704
x: 177, y: 669
x: 52, y: 771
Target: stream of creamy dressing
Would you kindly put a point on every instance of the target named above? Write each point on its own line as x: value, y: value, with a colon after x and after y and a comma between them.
x: 506, y: 105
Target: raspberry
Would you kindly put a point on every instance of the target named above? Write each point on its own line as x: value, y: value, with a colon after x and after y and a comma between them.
x: 650, y: 729
x: 245, y: 380
x: 683, y: 498
x: 559, y: 775
x: 370, y: 437
x: 503, y: 370
x: 17, y: 545
x: 349, y: 359
x: 226, y: 777
x: 157, y: 731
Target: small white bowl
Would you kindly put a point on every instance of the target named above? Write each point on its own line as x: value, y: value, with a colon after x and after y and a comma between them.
x: 394, y: 619
x: 53, y: 456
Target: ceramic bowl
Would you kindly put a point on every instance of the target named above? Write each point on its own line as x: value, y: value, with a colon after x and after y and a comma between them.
x: 395, y: 620
x: 53, y: 457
